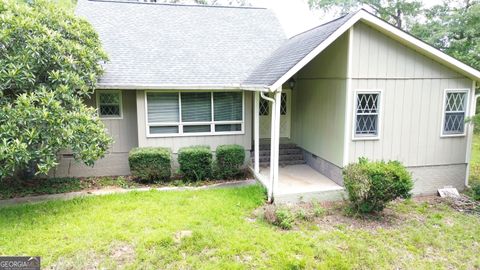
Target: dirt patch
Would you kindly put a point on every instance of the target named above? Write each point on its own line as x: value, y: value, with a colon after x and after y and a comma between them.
x: 333, y: 215
x: 122, y: 254
x: 182, y: 234
x: 119, y: 255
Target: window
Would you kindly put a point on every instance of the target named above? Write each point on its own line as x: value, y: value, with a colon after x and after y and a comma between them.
x: 283, y: 104
x: 187, y: 113
x: 367, y: 110
x: 264, y: 107
x: 109, y: 104
x: 455, y: 109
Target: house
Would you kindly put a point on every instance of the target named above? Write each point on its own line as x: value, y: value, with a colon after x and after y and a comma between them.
x: 304, y: 106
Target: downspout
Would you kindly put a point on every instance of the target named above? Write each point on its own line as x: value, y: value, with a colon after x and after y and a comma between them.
x: 270, y: 189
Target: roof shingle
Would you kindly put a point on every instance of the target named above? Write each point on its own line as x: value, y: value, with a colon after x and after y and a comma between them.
x: 291, y: 52
x: 165, y: 44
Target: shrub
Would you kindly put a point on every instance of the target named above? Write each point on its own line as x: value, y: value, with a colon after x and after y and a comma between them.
x: 318, y: 210
x: 371, y: 185
x: 150, y: 163
x: 284, y: 218
x: 195, y: 162
x: 476, y: 192
x: 229, y: 160
x: 280, y: 217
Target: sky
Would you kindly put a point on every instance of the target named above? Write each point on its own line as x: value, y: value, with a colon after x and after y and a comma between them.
x: 296, y: 17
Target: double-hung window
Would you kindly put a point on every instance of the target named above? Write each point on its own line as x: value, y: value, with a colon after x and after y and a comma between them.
x: 455, y: 106
x: 367, y: 112
x: 109, y: 104
x: 191, y: 113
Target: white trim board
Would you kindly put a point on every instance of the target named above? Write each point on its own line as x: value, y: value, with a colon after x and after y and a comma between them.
x: 391, y: 31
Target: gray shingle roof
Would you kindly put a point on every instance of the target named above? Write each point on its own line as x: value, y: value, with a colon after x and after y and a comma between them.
x: 162, y: 44
x: 291, y: 52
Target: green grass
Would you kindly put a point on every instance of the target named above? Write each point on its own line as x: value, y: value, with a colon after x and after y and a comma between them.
x: 475, y: 161
x: 140, y: 230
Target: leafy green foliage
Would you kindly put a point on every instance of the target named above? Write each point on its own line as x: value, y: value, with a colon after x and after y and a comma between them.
x: 371, y: 185
x: 454, y: 28
x: 284, y: 218
x: 195, y: 162
x: 476, y: 192
x: 399, y: 13
x: 49, y: 63
x: 150, y: 163
x: 10, y: 188
x: 229, y: 160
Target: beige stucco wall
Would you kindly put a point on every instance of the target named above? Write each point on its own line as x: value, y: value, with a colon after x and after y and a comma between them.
x: 412, y: 102
x: 318, y: 103
x: 213, y: 141
x: 124, y: 133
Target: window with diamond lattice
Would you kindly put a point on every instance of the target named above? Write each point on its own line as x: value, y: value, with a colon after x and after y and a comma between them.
x: 109, y: 104
x: 283, y: 104
x: 455, y: 108
x: 366, y: 114
x: 264, y: 107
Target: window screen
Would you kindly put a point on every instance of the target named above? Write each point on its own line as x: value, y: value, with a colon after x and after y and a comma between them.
x: 194, y: 113
x: 366, y: 114
x: 455, y: 108
x: 109, y: 104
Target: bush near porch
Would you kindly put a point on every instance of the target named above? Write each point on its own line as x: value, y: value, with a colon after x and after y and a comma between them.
x: 150, y: 163
x: 229, y: 161
x: 195, y: 162
x: 371, y: 185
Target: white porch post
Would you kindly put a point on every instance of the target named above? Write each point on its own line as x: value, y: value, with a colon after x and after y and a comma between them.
x: 256, y: 132
x: 275, y: 140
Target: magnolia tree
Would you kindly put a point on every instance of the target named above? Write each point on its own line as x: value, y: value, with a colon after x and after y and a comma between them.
x: 49, y: 63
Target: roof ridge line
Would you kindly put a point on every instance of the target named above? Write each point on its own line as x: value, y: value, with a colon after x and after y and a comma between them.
x: 174, y: 4
x: 323, y: 24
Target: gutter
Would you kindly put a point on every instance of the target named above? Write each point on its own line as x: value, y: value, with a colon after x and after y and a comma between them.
x: 259, y: 88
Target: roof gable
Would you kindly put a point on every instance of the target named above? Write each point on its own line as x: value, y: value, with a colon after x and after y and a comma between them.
x: 301, y: 49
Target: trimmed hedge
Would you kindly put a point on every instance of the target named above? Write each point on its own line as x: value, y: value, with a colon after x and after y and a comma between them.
x: 371, y: 185
x: 195, y: 162
x: 229, y: 160
x: 150, y: 163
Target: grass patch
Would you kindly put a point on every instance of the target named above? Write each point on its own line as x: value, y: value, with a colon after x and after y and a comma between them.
x: 475, y: 161
x: 214, y: 229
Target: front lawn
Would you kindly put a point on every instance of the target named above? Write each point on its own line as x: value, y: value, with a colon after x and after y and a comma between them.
x: 217, y: 229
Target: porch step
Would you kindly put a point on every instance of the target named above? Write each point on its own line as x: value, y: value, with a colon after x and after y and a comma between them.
x: 282, y: 146
x: 283, y: 163
x: 290, y: 154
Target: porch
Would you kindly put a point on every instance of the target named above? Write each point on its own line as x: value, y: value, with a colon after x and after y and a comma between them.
x: 297, y: 179
x: 303, y: 183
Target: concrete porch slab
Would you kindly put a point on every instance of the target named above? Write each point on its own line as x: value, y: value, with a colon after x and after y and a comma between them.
x: 303, y: 183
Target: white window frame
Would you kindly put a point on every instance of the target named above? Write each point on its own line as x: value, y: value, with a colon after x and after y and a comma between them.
x: 180, y: 123
x: 367, y: 137
x: 444, y: 111
x: 120, y: 100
